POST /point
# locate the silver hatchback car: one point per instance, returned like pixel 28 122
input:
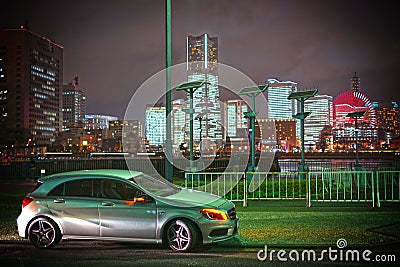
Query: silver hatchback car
pixel 122 205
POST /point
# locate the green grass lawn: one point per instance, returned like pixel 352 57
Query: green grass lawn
pixel 285 226
pixel 280 223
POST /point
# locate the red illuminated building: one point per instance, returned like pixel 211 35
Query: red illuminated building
pixel 352 101
pixel 344 127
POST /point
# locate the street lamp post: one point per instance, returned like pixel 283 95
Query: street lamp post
pixel 302 96
pixel 251 115
pixel 168 94
pixel 190 88
pixel 199 117
pixel 252 91
pixel 356 115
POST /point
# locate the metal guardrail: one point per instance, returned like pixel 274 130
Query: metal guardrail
pixel 276 186
pixel 342 186
pixel 231 185
pixel 387 186
pixel 324 186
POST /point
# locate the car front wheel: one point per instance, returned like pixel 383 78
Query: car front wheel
pixel 181 235
pixel 43 233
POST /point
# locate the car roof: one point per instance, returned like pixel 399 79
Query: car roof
pixel 115 173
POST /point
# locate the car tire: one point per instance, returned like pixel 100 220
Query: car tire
pixel 181 235
pixel 43 233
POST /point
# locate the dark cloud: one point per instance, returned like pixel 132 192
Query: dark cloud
pixel 116 45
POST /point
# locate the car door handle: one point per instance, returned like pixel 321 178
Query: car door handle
pixel 107 204
pixel 59 200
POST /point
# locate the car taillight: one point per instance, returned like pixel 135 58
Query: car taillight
pixel 26 201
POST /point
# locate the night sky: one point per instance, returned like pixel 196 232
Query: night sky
pixel 116 45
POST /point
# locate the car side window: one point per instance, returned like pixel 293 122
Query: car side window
pixel 57 191
pixel 76 188
pixel 119 190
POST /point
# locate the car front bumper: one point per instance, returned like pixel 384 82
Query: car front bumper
pixel 217 231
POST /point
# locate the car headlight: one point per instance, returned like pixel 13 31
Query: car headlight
pixel 214 214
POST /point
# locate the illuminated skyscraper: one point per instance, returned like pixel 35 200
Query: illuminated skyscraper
pixel 389 117
pixel 73 105
pixel 155 125
pixel 320 107
pixel 234 116
pixel 202 64
pixel 178 123
pixel 31 78
pixel 279 106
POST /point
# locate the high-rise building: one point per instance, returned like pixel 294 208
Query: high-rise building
pixel 115 128
pixel 279 107
pixel 178 124
pixel 388 117
pixel 234 116
pixel 388 121
pixel 202 64
pixel 320 107
pixel 31 78
pixel 132 136
pixel 73 105
pixel 155 129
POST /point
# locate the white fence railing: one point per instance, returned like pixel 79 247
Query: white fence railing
pixel 387 186
pixel 325 186
pixel 231 185
pixel 342 186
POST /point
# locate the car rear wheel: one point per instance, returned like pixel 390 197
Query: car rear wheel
pixel 181 235
pixel 43 233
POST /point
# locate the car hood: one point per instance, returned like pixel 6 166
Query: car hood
pixel 190 197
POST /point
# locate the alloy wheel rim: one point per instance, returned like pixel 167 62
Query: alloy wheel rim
pixel 179 236
pixel 42 233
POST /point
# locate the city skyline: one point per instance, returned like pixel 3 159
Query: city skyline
pixel 315 44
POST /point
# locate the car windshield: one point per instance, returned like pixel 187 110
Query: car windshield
pixel 158 187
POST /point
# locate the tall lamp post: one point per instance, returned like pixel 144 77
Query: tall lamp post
pixel 199 117
pixel 252 91
pixel 190 88
pixel 356 115
pixel 168 94
pixel 302 96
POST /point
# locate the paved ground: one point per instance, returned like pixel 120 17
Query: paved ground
pixel 123 254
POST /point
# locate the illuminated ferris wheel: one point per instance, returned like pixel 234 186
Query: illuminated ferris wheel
pixel 352 101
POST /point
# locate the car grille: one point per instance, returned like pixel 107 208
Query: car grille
pixel 232 213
